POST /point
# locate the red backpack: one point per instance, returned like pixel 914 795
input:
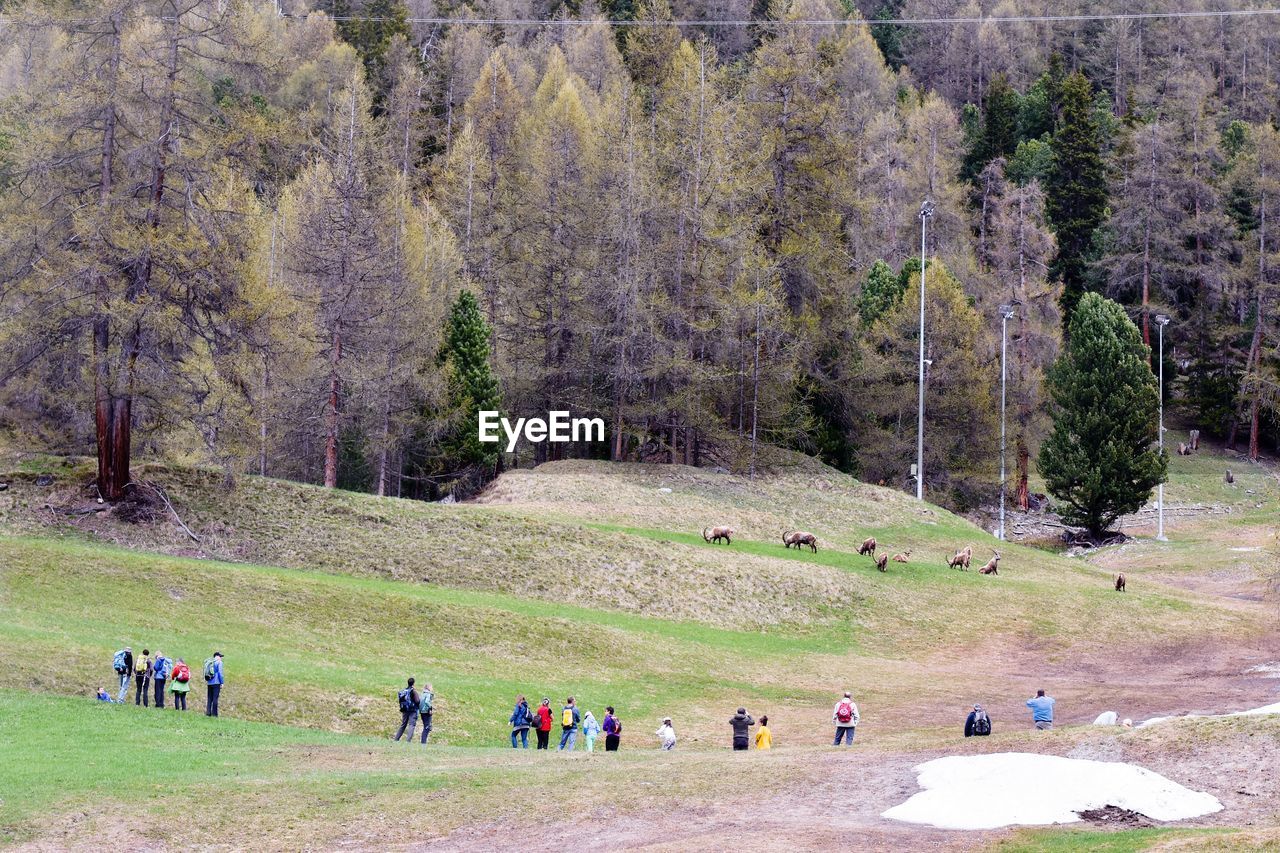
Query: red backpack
pixel 181 673
pixel 844 712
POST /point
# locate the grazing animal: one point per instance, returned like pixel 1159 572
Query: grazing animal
pixel 800 539
pixel 868 548
pixel 718 533
pixel 992 567
pixel 1229 477
pixel 1183 450
pixel 882 561
pixel 961 558
pixel 1194 437
pixel 901 558
pixel 1120 582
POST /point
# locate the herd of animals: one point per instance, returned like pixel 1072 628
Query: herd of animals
pixel 798 539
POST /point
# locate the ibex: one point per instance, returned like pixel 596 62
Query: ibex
pixel 882 561
pixel 718 533
pixel 1229 478
pixel 1194 438
pixel 868 548
pixel 799 539
pixel 901 558
pixel 993 565
pixel 1120 582
pixel 961 558
pixel 1183 449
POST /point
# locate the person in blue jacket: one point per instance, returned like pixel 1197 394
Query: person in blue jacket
pixel 521 721
pixel 160 669
pixel 1041 711
pixel 214 685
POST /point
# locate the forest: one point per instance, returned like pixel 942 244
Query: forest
pixel 310 241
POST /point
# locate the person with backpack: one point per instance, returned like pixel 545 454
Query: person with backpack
pixel 159 673
pixel 141 677
pixel 409 700
pixel 612 729
pixel 570 719
pixel 544 723
pixel 521 720
pixel 180 684
pixel 426 704
pixel 846 717
pixel 213 680
pixel 590 731
pixel 742 723
pixel 978 723
pixel 666 734
pixel 764 738
pixel 1042 711
pixel 122 663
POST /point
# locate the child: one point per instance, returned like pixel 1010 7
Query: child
pixel 667 734
pixel 590 729
pixel 764 740
pixel 103 695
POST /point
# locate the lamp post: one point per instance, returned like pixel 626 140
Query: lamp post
pixel 1006 314
pixel 1161 322
pixel 926 211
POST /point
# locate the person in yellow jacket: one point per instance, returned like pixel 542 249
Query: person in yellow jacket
pixel 764 739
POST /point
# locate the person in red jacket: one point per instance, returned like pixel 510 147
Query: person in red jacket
pixel 544 723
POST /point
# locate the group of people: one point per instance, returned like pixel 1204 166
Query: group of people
pixel 978 723
pixel 573 720
pixel 154 675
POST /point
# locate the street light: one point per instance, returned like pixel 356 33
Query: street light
pixel 926 211
pixel 1006 314
pixel 1161 322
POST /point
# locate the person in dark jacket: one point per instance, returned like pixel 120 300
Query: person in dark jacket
pixel 123 673
pixel 141 677
pixel 742 723
pixel 521 721
pixel 612 729
pixel 978 724
pixel 544 723
pixel 410 700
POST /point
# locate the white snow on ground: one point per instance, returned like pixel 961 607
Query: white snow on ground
pixel 1254 712
pixel 1020 788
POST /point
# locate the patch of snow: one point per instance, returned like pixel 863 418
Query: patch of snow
pixel 1268 670
pixel 1025 789
pixel 664 490
pixel 1257 712
pixel 1107 718
pixel 1253 548
pixel 1253 712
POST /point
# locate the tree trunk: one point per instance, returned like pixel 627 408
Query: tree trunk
pixel 332 415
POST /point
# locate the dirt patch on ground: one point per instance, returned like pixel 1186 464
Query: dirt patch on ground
pixel 1115 817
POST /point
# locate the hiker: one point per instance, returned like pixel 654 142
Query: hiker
pixel 666 734
pixel 122 663
pixel 764 738
pixel 569 722
pixel 742 723
pixel 426 704
pixel 846 718
pixel 159 672
pixel 103 695
pixel 590 731
pixel 409 700
pixel 977 724
pixel 1041 711
pixel 522 720
pixel 141 675
pixel 544 723
pixel 180 684
pixel 213 680
pixel 612 730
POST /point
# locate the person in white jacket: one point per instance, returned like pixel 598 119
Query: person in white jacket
pixel 845 716
pixel 666 734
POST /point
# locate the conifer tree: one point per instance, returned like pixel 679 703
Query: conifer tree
pixel 1099 461
pixel 472 386
pixel 1077 188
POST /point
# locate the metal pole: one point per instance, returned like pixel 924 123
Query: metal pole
pixel 926 210
pixel 1004 327
pixel 1161 321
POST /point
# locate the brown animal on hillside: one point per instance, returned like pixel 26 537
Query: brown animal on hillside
pixel 1229 478
pixel 800 539
pixel 1194 438
pixel 882 561
pixel 718 533
pixel 992 567
pixel 961 558
pixel 868 548
pixel 901 558
pixel 1183 450
pixel 1120 582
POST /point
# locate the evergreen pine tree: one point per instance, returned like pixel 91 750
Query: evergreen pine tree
pixel 998 136
pixel 881 291
pixel 472 386
pixel 1076 188
pixel 1099 461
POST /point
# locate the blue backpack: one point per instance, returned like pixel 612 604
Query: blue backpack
pixel 406 700
pixel 118 663
pixel 160 669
